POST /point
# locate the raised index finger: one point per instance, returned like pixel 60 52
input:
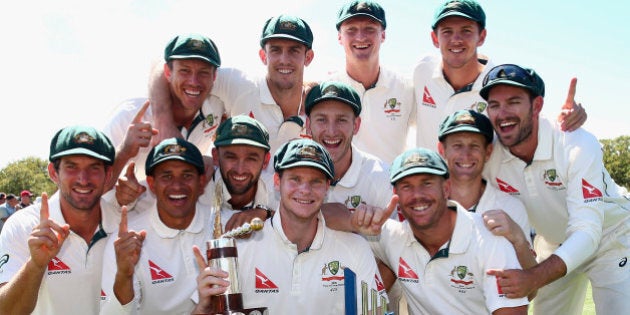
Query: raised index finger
pixel 43 211
pixel 141 112
pixel 571 95
pixel 122 227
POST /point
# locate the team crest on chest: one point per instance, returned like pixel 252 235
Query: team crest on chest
pixel 210 124
pixel 391 108
pixel 352 202
pixel 552 180
pixel 332 275
pixel 479 107
pixel 462 279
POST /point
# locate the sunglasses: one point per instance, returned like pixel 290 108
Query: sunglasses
pixel 511 72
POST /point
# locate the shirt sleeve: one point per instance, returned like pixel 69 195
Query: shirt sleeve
pixel 585 202
pixel 14 244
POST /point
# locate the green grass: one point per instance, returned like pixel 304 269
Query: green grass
pixel 589 306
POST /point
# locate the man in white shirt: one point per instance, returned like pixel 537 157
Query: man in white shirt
pixel 51 254
pixel 581 218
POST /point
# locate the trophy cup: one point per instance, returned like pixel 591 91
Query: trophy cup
pixel 222 254
pixel 367 300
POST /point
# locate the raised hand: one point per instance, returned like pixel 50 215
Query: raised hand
pixel 368 220
pixel 210 281
pixel 572 115
pixel 128 247
pixel 128 189
pixel 499 223
pixel 139 133
pixel 47 237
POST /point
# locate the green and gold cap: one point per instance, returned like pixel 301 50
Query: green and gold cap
pixel 304 152
pixel 242 129
pixel 82 140
pixel 369 9
pixel 466 120
pixel 174 149
pixel 469 9
pixel 289 27
pixel 332 90
pixel 417 161
pixel 192 46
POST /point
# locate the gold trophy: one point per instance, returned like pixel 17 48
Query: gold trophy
pixel 222 254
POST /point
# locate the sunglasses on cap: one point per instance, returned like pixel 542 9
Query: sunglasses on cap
pixel 513 75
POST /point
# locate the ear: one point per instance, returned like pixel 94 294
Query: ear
pixel 357 125
pixel 482 37
pixel 309 57
pixel 383 36
pixel 151 183
pixel 537 105
pixel 489 149
pixel 434 39
pixel 215 156
pixel 266 160
pixel 263 56
pixel 446 188
pixel 276 181
pixel 53 173
pixel 441 148
pixel 307 125
pixel 167 72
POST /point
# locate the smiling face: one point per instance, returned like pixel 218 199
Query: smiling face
pixel 81 180
pixel 422 199
pixel 285 60
pixel 466 154
pixel 333 124
pixel 458 39
pixel 240 166
pixel 190 81
pixel 302 192
pixel 514 114
pixel 177 186
pixel 361 38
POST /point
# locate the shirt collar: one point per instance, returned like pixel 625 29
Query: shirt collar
pixel 276 222
pixel 163 231
pixel 353 173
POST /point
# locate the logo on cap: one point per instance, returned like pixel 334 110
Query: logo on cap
pixel 465 118
pixel 288 25
pixel 84 137
pixel 330 90
pixel 309 152
pixel 239 130
pixel 195 44
pixel 415 159
pixel 362 6
pixel 174 149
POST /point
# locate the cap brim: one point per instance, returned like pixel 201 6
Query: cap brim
pixel 81 151
pixel 486 89
pixel 349 16
pixel 199 57
pixel 461 128
pixel 286 36
pixel 241 141
pixel 452 13
pixel 309 164
pixel 417 170
pixel 355 107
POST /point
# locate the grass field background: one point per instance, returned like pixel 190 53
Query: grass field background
pixel 589 306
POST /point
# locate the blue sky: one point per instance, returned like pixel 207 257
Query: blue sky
pixel 71 62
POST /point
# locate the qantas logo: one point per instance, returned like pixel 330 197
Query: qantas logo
pixel 427 99
pixel 158 275
pixel 379 284
pixel 56 266
pixel 251 114
pixel 499 290
pixel 589 192
pixel 505 187
pixel 405 273
pixel 263 284
pixel 103 295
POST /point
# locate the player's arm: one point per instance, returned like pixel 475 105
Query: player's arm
pixel 128 247
pixel 161 103
pixel 501 224
pixel 572 115
pixel 519 310
pixel 516 283
pixel 365 219
pixel 210 281
pixel 44 244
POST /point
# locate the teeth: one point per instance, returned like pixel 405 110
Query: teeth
pixel 82 191
pixel 361 46
pixel 507 124
pixel 177 196
pixel 285 71
pixel 239 178
pixel 420 208
pixel 331 142
pixel 304 202
pixel 457 50
pixel 464 165
pixel 192 92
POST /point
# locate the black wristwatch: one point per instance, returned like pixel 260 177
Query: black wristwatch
pixel 269 210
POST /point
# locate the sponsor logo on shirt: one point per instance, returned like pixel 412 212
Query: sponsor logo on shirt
pixel 158 275
pixel 462 279
pixel 263 284
pixel 552 180
pixel 56 267
pixel 332 275
pixel 391 108
pixel 505 187
pixel 623 262
pixel 427 99
pixel 499 289
pixel 352 202
pixel 405 273
pixel 380 287
pixel 590 193
pixel 103 295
